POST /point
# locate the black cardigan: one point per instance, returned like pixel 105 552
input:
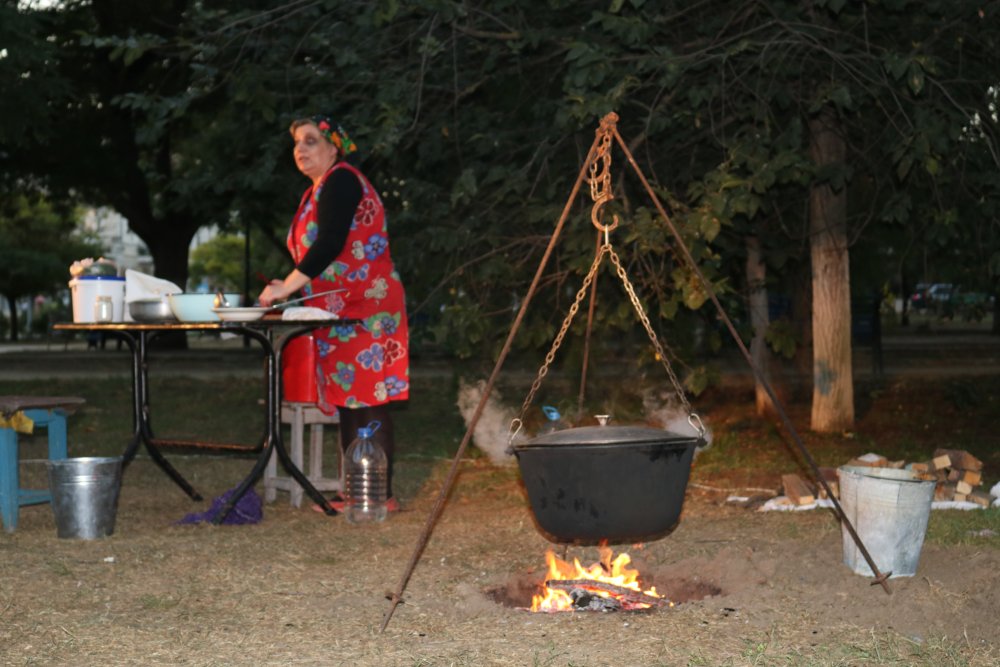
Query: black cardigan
pixel 338 200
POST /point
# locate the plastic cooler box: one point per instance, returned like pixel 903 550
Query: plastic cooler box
pixel 298 370
pixel 86 289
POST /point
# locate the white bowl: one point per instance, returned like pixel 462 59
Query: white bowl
pixel 197 307
pixel 248 314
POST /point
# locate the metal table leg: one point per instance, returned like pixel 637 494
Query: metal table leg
pixel 140 415
pixel 274 442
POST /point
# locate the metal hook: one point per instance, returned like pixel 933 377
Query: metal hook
pixel 695 421
pixel 512 433
pixel 595 214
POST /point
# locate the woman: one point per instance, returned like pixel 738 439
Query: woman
pixel 338 240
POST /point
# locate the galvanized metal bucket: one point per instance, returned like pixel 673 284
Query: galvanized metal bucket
pixel 889 510
pixel 85 495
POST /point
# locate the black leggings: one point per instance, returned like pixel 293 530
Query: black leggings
pixel 351 419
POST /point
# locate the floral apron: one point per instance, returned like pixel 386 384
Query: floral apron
pixel 365 364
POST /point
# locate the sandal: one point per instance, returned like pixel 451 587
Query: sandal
pixel 338 504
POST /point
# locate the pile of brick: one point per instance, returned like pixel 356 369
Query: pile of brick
pixel 957 473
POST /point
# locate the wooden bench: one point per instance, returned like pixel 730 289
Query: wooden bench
pixel 23 414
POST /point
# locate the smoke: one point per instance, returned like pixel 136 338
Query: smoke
pixel 493 427
pixel 663 411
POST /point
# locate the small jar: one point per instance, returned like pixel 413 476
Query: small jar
pixel 104 309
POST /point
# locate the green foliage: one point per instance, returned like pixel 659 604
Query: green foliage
pixel 37 244
pixel 474 118
pixel 219 261
pixel 782 337
pixel 28 70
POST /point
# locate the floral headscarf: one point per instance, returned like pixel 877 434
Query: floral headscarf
pixel 335 134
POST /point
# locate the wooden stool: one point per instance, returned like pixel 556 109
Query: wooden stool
pixel 46 411
pixel 298 415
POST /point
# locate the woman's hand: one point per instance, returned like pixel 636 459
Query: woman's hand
pixel 279 290
pixel 275 291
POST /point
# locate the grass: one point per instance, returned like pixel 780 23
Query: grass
pixel 972 528
pixel 904 419
pixel 224 410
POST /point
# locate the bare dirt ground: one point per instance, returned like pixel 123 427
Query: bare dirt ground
pixel 304 589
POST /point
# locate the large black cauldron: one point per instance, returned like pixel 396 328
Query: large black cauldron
pixel 617 484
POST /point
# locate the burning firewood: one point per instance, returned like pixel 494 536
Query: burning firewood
pixel 628 598
pixel 573 587
pixel 587 601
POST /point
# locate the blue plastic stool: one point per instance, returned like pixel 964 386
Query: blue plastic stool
pixel 47 412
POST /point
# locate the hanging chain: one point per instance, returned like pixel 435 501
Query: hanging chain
pixel 600 177
pixel 600 192
pixel 550 357
pixel 693 418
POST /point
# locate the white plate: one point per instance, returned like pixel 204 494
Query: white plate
pixel 240 314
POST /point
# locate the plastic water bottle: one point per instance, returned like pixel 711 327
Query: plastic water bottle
pixel 366 473
pixel 554 420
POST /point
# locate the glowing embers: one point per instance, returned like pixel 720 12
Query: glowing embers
pixel 608 585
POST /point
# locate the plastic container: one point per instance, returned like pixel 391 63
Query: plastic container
pixel 889 510
pixel 553 420
pixel 298 370
pixel 85 495
pixel 366 476
pixel 104 309
pixel 85 291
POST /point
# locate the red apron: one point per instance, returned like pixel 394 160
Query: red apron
pixel 368 363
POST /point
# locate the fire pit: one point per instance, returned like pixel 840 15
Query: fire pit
pixel 608 585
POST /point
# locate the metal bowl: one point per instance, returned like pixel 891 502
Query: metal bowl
pixel 151 310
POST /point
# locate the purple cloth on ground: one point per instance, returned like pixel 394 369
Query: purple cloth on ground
pixel 247 510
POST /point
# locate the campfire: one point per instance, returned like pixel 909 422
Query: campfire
pixel 608 585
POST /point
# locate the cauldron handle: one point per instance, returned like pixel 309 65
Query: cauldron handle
pixel 695 421
pixel 516 421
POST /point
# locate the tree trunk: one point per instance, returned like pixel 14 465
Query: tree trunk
pixel 170 254
pixel 996 309
pixel 904 287
pixel 12 308
pixel 759 322
pixel 833 382
pixel 170 259
pixel 995 330
pixel 802 309
pixel 168 242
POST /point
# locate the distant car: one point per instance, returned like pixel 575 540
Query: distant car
pixel 918 299
pixel 940 293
